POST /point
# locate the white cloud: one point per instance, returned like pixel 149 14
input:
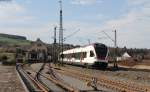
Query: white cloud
pixel 32 32
pixel 11 7
pixel 28 1
pixel 85 2
pixel 12 11
pixel 86 31
pixel 133 26
pixel 137 2
pixel 14 19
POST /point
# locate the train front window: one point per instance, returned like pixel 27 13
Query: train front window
pixel 101 51
pixel 91 54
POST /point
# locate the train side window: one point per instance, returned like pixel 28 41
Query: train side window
pixel 78 55
pixel 70 56
pixel 91 54
pixel 84 54
pixel 62 55
pixel 73 55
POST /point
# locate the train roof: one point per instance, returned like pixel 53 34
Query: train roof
pixel 91 45
pixel 79 48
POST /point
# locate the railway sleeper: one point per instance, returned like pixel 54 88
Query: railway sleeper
pixel 59 83
pixel 38 88
pixel 133 88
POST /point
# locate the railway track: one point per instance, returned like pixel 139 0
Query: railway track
pixel 37 83
pixel 39 79
pixel 102 81
pixel 41 82
pixel 32 84
pixel 51 76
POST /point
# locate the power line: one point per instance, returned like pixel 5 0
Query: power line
pixel 108 36
pixel 70 35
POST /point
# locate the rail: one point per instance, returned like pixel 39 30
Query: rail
pixel 34 82
pixel 29 80
pixel 55 79
pixel 101 80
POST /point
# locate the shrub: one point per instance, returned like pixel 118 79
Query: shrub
pixel 4 57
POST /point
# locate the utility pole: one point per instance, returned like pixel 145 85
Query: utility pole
pixel 61 32
pixel 55 35
pixel 54 46
pixel 115 45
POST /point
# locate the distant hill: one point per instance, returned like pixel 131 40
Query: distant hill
pixel 7 39
pixel 13 36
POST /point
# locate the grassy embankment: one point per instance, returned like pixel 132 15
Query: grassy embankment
pixel 11 42
pixel 7 58
pixel 7 51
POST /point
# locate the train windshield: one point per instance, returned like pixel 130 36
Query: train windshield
pixel 101 51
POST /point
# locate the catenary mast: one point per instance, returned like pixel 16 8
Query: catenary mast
pixel 61 30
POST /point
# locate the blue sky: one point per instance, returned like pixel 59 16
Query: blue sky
pixel 37 18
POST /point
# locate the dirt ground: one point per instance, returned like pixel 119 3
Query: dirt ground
pixel 145 62
pixel 132 63
pixel 9 81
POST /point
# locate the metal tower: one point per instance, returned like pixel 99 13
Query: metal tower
pixel 61 30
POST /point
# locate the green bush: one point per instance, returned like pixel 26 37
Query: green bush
pixel 4 57
pixel 7 58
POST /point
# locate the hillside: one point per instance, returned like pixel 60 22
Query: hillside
pixel 6 39
pixel 13 36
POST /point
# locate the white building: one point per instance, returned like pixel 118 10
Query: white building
pixel 125 56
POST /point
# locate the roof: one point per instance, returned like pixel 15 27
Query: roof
pixel 126 55
pixel 38 45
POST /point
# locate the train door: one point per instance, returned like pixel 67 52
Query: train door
pixel 83 58
pixel 91 57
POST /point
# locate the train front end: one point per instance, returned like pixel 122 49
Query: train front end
pixel 101 51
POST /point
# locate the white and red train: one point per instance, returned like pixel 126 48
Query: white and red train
pixel 93 55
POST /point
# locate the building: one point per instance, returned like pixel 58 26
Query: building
pixel 125 56
pixel 38 52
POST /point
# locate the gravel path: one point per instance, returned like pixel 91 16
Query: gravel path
pixel 9 81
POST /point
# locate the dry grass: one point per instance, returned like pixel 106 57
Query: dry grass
pixel 144 62
pixel 132 62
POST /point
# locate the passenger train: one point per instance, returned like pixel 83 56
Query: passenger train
pixel 94 55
